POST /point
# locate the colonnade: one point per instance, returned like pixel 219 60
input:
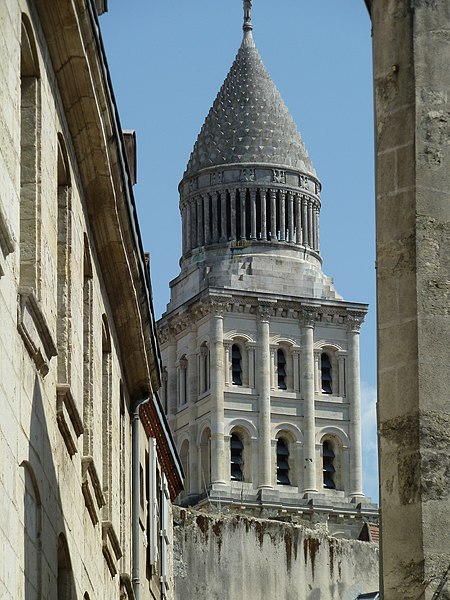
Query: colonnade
pixel 250 213
pixel 262 366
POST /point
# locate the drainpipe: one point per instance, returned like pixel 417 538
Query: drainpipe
pixel 136 576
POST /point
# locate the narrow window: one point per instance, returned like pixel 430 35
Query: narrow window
pixel 281 364
pixel 326 374
pixel 88 353
pixel 328 466
pixel 282 463
pixel 236 365
pixel 107 420
pixel 237 462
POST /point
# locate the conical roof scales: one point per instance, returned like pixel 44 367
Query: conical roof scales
pixel 249 121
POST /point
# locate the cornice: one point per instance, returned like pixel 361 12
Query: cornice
pixel 309 313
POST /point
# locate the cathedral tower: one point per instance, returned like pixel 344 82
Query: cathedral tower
pixel 261 354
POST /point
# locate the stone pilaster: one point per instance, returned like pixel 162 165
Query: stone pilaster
pixel 282 195
pixel 308 317
pixel 264 368
pixel 354 321
pixel 253 214
pixel 273 215
pixel 218 458
pixel 263 211
pixel 233 213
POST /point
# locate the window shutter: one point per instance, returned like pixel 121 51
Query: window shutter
pixel 153 507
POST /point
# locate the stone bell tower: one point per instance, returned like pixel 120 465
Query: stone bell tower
pixel 261 354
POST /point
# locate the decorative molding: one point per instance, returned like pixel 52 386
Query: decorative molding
pixel 91 487
pixel 33 328
pixel 355 319
pixel 216 177
pixel 69 420
pixel 247 175
pixel 220 304
pixel 193 184
pixel 278 176
pixel 309 314
pixel 110 547
pixel 265 309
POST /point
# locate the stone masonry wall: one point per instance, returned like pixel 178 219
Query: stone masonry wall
pixel 234 556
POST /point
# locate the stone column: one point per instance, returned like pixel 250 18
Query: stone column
pixel 317 372
pixel 273 215
pixel 341 359
pixel 264 368
pixel 251 364
pixel 291 226
pixel 354 321
pixel 193 209
pixel 223 217
pixel 295 353
pixel 242 199
pixel 317 209
pixel 305 221
pixel 233 214
pixel 183 230
pixel 215 217
pixel 200 226
pixel 253 213
pixel 263 211
pixel 206 220
pixel 188 229
pixel 227 362
pixel 310 224
pixel 282 215
pixel 171 358
pixel 218 458
pixel 272 370
pixel 309 314
pixel 298 220
pixel 202 370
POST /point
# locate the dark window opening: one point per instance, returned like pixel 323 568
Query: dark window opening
pixel 281 369
pixel 326 374
pixel 236 365
pixel 282 463
pixel 328 466
pixel 237 462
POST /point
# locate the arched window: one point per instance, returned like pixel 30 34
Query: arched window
pixel 204 368
pixel 182 381
pixel 282 463
pixel 236 365
pixel 328 457
pixel 326 374
pixel 65 578
pixel 237 460
pixel 281 369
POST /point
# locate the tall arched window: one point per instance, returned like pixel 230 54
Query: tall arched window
pixel 329 471
pixel 65 577
pixel 281 369
pixel 327 381
pixel 282 462
pixel 237 458
pixel 236 365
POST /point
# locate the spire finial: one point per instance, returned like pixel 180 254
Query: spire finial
pixel 248 15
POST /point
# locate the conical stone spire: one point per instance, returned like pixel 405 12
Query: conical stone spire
pixel 249 122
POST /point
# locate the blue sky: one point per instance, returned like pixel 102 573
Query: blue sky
pixel 168 59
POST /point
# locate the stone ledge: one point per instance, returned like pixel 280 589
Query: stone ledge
pixel 69 420
pixel 91 487
pixel 110 547
pixel 6 237
pixel 33 328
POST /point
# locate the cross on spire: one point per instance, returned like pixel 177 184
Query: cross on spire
pixel 248 15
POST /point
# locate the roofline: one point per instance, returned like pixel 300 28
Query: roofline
pixel 369 6
pixel 127 181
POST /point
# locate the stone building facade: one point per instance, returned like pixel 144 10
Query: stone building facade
pixel 261 378
pixel 88 468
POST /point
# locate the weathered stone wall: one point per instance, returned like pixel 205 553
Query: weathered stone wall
pixel 412 102
pixel 234 556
